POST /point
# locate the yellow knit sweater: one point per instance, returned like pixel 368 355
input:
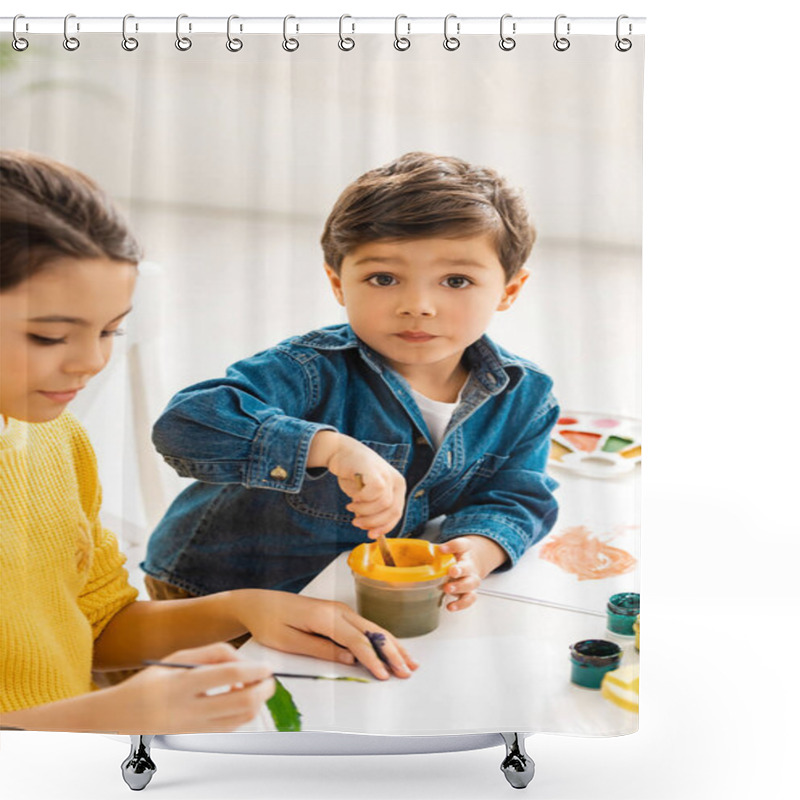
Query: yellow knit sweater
pixel 62 578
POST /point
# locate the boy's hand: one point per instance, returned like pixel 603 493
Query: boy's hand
pixel 319 628
pixel 377 489
pixel 476 557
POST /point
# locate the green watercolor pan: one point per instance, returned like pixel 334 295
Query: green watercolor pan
pixel 596 445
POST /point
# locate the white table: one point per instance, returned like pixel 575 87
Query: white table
pixel 501 665
pixel 608 509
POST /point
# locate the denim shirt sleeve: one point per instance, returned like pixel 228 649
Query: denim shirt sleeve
pixel 515 507
pixel 245 428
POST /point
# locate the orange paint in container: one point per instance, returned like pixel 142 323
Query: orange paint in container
pixel 404 599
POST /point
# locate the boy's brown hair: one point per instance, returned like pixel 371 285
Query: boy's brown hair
pixel 50 211
pixel 420 195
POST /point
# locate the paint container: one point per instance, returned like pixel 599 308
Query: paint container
pixel 636 631
pixel 623 608
pixel 405 599
pixel 591 659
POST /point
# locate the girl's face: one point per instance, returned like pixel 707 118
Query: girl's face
pixel 56 332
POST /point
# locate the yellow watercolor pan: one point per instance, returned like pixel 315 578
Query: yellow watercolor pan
pixel 596 445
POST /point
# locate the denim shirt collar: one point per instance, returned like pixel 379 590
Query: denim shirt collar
pixel 492 369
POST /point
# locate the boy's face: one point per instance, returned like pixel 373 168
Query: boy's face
pixel 56 330
pixel 421 302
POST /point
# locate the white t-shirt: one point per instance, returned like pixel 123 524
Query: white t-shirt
pixel 436 415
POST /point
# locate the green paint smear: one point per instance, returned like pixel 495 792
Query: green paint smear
pixel 283 710
pixel 615 443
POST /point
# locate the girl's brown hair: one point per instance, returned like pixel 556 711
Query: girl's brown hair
pixel 49 211
pixel 420 196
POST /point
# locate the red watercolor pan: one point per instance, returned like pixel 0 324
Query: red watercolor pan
pixel 596 445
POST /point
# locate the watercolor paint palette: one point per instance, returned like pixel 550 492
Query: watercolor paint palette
pixel 596 445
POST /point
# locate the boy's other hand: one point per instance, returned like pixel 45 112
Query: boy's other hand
pixel 377 490
pixel 476 557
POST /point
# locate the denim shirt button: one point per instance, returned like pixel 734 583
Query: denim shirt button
pixel 279 473
pixel 419 494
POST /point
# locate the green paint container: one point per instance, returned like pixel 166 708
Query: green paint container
pixel 623 609
pixel 406 598
pixel 591 659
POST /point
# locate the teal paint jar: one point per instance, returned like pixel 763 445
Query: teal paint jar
pixel 591 659
pixel 622 610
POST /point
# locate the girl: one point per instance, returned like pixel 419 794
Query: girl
pixel 67 273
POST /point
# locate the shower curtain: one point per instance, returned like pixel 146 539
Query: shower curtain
pixel 227 155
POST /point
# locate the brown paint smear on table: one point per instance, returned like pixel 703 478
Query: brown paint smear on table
pixel 579 551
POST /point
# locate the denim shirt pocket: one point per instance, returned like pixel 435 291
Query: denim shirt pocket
pixel 320 495
pixel 479 470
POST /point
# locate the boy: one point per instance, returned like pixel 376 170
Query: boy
pixel 407 414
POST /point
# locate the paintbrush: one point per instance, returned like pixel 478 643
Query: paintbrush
pixel 383 545
pixel 154 663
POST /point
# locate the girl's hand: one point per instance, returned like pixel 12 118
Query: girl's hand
pixel 476 557
pixel 376 488
pixel 322 629
pixel 162 700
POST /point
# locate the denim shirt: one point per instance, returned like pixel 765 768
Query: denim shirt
pixel 259 517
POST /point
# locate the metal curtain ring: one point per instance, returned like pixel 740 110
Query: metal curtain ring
pixel 183 43
pixel 70 43
pixel 507 42
pixel 451 42
pixel 345 42
pixel 129 43
pixel 623 45
pixel 401 42
pixel 233 44
pixel 17 42
pixel 561 43
pixel 289 45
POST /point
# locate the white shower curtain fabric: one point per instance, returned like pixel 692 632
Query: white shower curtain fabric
pixel 227 166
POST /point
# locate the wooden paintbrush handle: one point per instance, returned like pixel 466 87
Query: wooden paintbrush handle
pixel 383 545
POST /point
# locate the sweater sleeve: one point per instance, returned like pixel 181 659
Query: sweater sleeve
pixel 107 589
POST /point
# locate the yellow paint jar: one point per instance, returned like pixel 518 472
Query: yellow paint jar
pixel 404 599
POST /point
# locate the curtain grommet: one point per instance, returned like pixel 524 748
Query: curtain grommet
pixel 623 44
pixel 507 43
pixel 233 44
pixel 289 44
pixel 129 43
pixel 451 43
pixel 346 43
pixel 183 43
pixel 71 43
pixel 561 43
pixel 18 42
pixel 401 43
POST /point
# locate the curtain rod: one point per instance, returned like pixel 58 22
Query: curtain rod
pixel 347 25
